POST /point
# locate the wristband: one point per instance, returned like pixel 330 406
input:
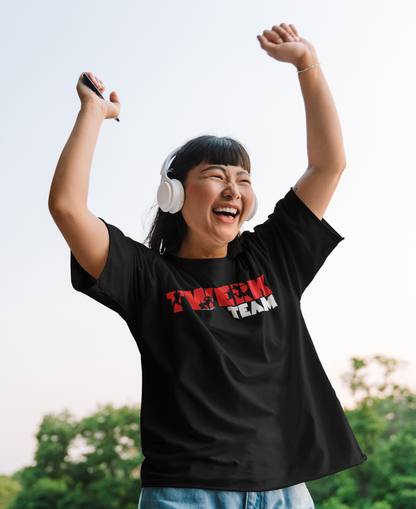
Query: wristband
pixel 307 69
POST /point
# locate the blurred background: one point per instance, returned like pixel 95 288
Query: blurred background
pixel 182 69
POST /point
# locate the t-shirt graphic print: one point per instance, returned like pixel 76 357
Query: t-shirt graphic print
pixel 240 299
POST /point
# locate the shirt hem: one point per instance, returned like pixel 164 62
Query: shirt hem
pixel 270 488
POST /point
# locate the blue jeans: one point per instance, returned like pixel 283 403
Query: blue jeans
pixel 294 497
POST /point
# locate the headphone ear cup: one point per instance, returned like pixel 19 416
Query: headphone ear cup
pixel 253 210
pixel 170 195
pixel 178 196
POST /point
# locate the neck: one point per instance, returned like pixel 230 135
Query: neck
pixel 193 250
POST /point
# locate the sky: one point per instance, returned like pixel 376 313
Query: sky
pixel 182 69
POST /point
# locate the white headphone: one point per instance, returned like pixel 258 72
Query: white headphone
pixel 171 194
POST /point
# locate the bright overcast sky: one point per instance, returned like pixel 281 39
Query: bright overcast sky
pixel 182 69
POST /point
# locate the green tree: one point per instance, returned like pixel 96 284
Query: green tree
pixel 384 422
pixel 9 488
pixel 95 463
pixel 90 464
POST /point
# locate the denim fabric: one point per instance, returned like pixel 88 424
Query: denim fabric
pixel 294 497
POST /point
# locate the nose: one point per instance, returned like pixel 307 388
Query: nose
pixel 231 191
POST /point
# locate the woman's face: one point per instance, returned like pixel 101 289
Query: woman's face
pixel 218 199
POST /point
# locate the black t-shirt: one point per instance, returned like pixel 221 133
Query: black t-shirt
pixel 234 395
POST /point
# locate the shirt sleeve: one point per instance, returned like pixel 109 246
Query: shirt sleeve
pixel 125 280
pixel 298 242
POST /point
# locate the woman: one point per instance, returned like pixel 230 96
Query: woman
pixel 236 408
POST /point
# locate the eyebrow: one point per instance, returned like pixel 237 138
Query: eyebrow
pixel 242 172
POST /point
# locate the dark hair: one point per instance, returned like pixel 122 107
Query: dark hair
pixel 169 230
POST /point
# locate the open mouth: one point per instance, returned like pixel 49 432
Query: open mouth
pixel 226 211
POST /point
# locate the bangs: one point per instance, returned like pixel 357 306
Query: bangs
pixel 211 150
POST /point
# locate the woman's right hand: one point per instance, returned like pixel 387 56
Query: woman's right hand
pixel 110 108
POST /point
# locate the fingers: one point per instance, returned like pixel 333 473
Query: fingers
pixel 294 30
pixel 286 32
pixel 272 36
pixel 266 44
pixel 98 83
pixel 280 34
pixel 114 98
pixel 283 43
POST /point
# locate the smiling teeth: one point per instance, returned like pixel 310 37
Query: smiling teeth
pixel 226 209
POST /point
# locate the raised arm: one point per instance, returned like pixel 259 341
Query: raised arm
pixel 326 156
pixel 86 235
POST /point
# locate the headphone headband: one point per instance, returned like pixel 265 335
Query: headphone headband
pixel 168 160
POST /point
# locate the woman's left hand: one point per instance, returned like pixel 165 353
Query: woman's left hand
pixel 284 44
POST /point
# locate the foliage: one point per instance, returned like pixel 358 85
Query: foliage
pixel 384 422
pixel 9 488
pixel 90 464
pixel 95 463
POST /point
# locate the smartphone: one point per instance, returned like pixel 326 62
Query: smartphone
pixel 90 84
